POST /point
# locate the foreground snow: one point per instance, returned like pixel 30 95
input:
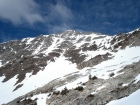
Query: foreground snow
pixel 41 99
pixel 133 99
pixel 6 90
pixel 54 70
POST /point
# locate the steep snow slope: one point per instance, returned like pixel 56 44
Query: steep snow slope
pixel 47 62
pixel 55 70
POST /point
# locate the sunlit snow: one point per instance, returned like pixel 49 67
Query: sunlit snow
pixel 100 88
pixel 29 40
pixel 41 99
pixel 120 60
pixel 6 90
pixel 54 70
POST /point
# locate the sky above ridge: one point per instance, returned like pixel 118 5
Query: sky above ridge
pixel 30 18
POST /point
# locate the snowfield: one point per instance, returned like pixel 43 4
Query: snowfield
pixel 119 61
pixel 54 70
pixel 41 99
pixel 6 90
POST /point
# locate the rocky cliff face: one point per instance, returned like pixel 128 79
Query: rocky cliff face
pixel 70 68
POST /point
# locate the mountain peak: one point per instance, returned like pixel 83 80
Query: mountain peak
pixel 84 67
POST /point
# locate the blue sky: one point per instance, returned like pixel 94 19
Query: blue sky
pixel 30 18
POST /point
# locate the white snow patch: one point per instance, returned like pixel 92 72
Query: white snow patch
pixel 132 99
pixel 122 56
pixel 93 92
pixel 4 47
pixel 126 84
pixel 41 99
pixel 137 78
pixel 29 40
pixel 51 47
pixel 6 90
pixel 38 49
pixel 120 60
pixel 36 57
pixel 100 88
pixel 93 35
pixel 15 52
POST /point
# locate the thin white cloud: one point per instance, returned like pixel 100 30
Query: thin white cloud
pixel 59 28
pixel 63 11
pixel 20 11
pixel 59 17
pixel 59 12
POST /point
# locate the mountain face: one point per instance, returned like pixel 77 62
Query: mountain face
pixel 70 68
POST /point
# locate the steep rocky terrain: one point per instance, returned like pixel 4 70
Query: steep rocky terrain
pixel 70 68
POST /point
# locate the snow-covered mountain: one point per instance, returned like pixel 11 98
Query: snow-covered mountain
pixel 71 68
